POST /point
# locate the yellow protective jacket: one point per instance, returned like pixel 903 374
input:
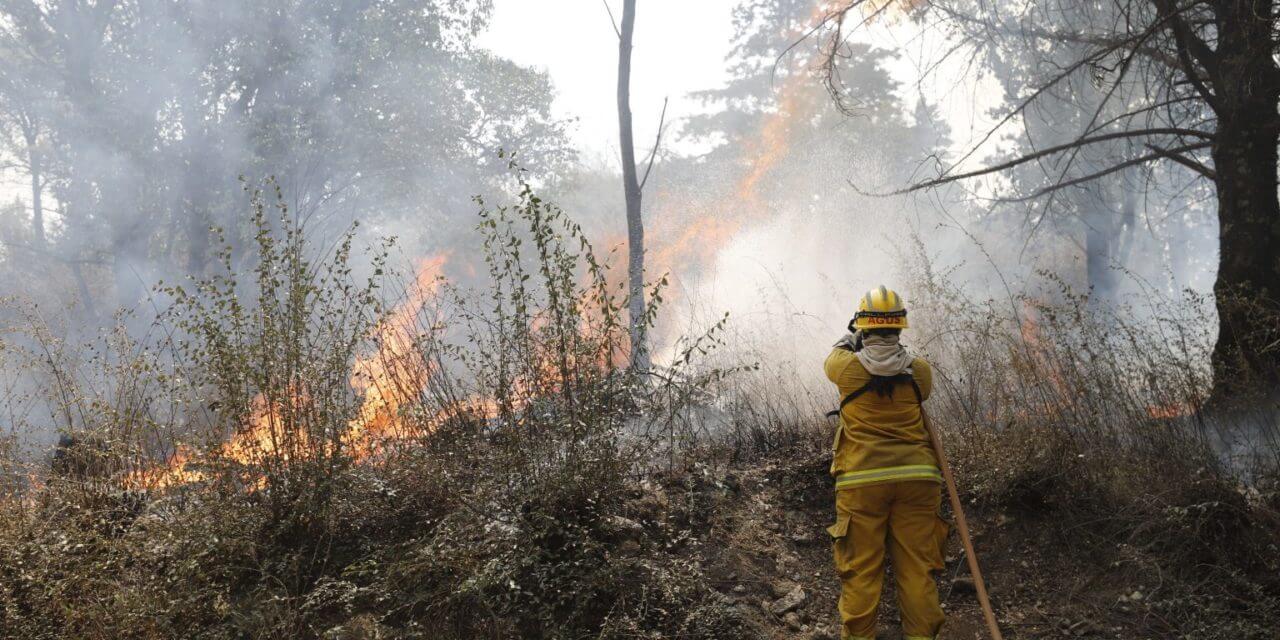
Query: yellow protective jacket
pixel 880 439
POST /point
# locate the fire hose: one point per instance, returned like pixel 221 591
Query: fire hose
pixel 963 526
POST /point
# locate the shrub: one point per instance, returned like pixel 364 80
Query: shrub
pixel 454 463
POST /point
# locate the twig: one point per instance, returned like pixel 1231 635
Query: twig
pixel 653 153
pixel 612 20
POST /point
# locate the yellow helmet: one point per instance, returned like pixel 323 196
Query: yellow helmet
pixel 880 308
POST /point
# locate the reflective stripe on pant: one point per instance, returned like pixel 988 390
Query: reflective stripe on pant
pixel 903 515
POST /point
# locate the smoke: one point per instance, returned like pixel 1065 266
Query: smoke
pixel 805 240
pixel 146 114
pixel 147 126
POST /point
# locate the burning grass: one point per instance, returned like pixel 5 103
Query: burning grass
pixel 474 464
pixel 457 464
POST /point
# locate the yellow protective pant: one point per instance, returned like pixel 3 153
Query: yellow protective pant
pixel 903 515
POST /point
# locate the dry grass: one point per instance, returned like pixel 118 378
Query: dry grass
pixel 508 489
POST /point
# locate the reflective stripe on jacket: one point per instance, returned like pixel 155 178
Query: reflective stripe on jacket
pixel 880 439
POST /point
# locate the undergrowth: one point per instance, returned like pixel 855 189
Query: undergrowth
pixel 296 451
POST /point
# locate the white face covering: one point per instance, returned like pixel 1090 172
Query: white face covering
pixel 881 355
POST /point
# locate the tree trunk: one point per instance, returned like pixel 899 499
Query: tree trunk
pixel 1247 289
pixel 1094 208
pixel 631 190
pixel 1108 235
pixel 86 296
pixel 37 192
pixel 1248 284
pixel 1098 265
pixel 128 259
pixel 198 197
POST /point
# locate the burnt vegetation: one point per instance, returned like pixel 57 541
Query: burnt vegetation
pixel 356 402
pixel 527 483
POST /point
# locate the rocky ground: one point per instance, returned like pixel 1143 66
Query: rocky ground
pixel 765 550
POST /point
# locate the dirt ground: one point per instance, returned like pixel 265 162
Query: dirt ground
pixel 768 539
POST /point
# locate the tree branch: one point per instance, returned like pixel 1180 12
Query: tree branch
pixel 612 20
pixel 653 153
pixel 1048 151
pixel 1185 161
pixel 1075 37
pixel 1106 172
pixel 1188 44
pixel 1039 91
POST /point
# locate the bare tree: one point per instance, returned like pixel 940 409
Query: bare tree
pixel 1197 85
pixel 633 188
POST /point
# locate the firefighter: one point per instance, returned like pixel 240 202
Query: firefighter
pixel 888 483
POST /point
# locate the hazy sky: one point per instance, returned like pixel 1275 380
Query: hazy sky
pixel 680 47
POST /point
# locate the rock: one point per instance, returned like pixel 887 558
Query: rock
pixel 781 588
pixel 801 537
pixel 792 621
pixel 739 588
pixel 788 603
pixel 821 632
pixel 625 526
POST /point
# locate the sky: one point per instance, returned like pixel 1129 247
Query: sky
pixel 680 47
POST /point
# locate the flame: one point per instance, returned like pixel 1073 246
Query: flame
pixel 699 241
pixel 690 244
pixel 393 378
pixel 172 473
pixel 394 375
pixel 1034 340
pixel 265 434
pixel 1172 410
pixel 388 380
pixel 1029 324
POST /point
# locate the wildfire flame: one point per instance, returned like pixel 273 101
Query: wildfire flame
pixel 396 374
pixel 1036 345
pixel 704 237
pixel 387 379
pixel 1172 410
